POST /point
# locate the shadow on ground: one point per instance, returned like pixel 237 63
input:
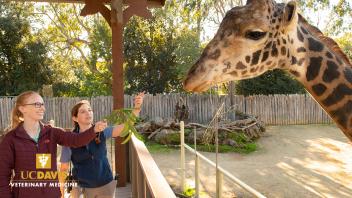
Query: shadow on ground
pixel 292 161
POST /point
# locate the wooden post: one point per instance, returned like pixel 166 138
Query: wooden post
pixel 118 92
pixel 183 160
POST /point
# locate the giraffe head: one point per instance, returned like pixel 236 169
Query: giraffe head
pixel 251 40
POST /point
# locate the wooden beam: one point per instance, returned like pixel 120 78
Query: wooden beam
pixel 136 7
pixel 93 7
pixel 151 3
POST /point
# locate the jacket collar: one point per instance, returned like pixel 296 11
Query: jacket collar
pixel 21 132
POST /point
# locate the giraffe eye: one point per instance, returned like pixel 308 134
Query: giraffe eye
pixel 255 35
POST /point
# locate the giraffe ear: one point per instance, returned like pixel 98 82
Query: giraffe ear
pixel 290 12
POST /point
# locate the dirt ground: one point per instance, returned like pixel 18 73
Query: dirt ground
pixel 291 161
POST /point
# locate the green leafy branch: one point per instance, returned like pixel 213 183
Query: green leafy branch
pixel 124 116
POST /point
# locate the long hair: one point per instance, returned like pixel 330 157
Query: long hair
pixel 16 115
pixel 74 112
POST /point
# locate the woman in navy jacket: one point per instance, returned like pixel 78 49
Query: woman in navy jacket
pixel 91 167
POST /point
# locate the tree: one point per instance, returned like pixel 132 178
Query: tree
pixel 273 82
pixel 23 58
pixel 345 43
pixel 159 51
pixel 150 62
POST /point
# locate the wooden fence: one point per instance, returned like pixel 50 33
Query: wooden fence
pixel 273 109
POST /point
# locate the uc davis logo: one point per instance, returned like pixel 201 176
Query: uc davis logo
pixel 43 161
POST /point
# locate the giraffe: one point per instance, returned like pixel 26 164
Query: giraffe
pixel 265 35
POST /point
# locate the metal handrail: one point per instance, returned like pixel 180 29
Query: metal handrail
pixel 220 171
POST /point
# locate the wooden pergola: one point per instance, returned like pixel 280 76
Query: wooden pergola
pixel 117 17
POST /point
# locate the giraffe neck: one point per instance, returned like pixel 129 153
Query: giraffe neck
pixel 325 74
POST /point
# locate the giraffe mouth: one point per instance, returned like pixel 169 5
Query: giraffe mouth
pixel 200 87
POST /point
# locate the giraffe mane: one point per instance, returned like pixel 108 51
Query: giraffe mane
pixel 329 42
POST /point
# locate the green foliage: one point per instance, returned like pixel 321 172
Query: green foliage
pixel 246 149
pixel 126 117
pixel 150 61
pixel 159 148
pixel 345 43
pixel 23 58
pixel 331 17
pixel 189 191
pixel 272 82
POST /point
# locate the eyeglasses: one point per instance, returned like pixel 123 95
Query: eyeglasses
pixel 36 104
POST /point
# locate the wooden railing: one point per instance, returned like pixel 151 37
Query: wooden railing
pixel 146 178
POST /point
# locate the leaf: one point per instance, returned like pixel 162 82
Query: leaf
pixel 127 139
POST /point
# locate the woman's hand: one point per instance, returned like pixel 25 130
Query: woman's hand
pixel 138 101
pixel 100 126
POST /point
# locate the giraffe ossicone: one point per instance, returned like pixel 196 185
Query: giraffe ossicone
pixel 265 35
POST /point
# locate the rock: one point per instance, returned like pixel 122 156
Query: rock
pixel 168 123
pixel 157 121
pixel 199 135
pixel 167 136
pixel 143 127
pixel 230 142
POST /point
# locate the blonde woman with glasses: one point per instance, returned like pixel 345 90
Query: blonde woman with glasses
pixel 27 143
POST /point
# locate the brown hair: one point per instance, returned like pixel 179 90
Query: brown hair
pixel 16 115
pixel 74 110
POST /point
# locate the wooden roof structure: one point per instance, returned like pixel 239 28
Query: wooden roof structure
pixel 117 15
pixel 151 3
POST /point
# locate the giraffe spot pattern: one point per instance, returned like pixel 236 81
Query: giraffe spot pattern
pixel 341 114
pixel 338 60
pixel 283 51
pixel 215 55
pixel 319 89
pixel 261 68
pixel 301 49
pixel 265 56
pixel 202 69
pixel 244 72
pixel 315 45
pixel 274 51
pixel 329 55
pixel 248 58
pixel 228 64
pixel 226 43
pixel 254 70
pixel 293 60
pixel 284 40
pixel 338 94
pixel 278 41
pixel 313 68
pixel 240 65
pixel 255 56
pixel 299 35
pixel 295 73
pixel 234 73
pixel 331 73
pixel 348 74
pixel 267 46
